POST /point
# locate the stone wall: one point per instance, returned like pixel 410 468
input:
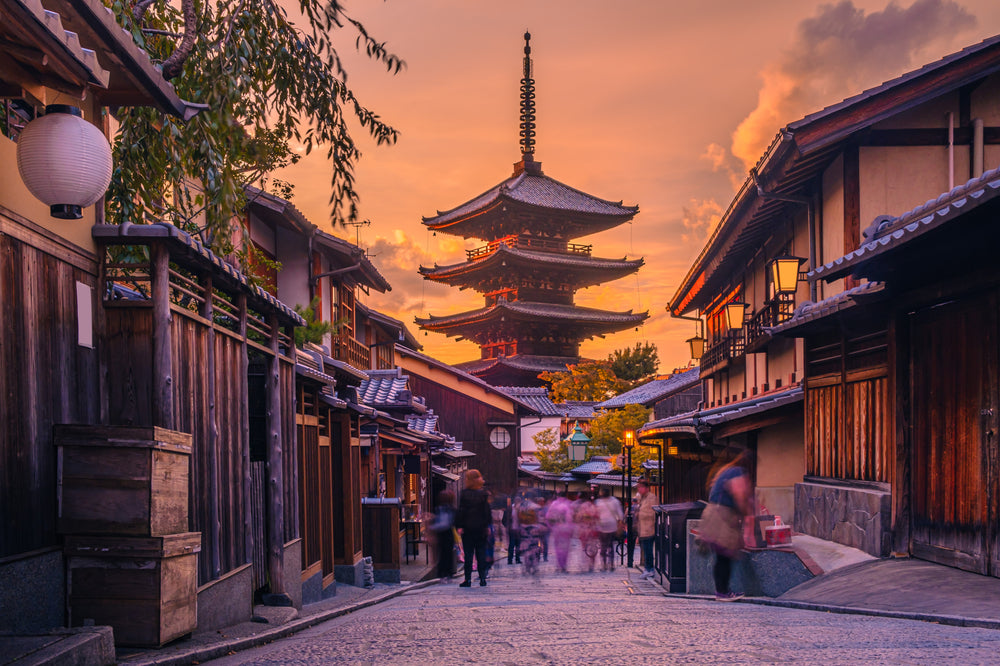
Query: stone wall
pixel 856 517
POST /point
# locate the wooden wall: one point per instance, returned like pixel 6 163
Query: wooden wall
pixel 848 428
pixel 467 420
pixel 45 378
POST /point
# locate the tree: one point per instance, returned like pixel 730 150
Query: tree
pixel 636 365
pixel 263 82
pixel 589 380
pixel 607 432
pixel 553 453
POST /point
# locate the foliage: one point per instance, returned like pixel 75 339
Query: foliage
pixel 265 83
pixel 636 365
pixel 315 329
pixel 590 380
pixel 553 453
pixel 607 432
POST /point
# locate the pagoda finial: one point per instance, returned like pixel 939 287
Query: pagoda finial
pixel 527 105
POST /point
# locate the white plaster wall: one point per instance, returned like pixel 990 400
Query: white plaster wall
pixel 831 224
pixel 896 180
pixel 528 432
pixel 293 278
pixel 780 465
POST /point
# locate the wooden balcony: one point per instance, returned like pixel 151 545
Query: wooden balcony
pixel 354 353
pixel 731 345
pixel 773 313
pixel 529 243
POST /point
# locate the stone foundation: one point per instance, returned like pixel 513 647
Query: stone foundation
pixel 857 517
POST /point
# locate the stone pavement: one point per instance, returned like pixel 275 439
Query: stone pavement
pixel 608 618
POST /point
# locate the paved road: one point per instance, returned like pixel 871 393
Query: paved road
pixel 610 618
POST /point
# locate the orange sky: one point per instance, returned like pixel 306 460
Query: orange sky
pixel 660 104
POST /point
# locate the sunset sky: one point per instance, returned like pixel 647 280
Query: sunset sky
pixel 656 103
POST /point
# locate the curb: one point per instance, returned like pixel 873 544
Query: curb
pixel 227 647
pixel 952 620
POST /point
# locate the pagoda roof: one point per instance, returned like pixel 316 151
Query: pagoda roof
pixel 520 363
pixel 587 321
pixel 530 193
pixel 579 269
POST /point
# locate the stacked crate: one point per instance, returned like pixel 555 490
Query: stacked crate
pixel 123 508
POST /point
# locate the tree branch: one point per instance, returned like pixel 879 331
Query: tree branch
pixel 140 9
pixel 173 65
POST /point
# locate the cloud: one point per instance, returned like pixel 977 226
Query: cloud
pixel 839 52
pixel 700 218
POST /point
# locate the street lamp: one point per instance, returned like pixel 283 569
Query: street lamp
pixel 734 315
pixel 577 444
pixel 627 445
pixel 697 343
pixel 785 273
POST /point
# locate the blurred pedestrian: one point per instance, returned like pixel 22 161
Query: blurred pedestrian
pixel 609 519
pixel 442 526
pixel 560 519
pixel 512 526
pixel 647 527
pixel 586 525
pixel 474 521
pixel 727 517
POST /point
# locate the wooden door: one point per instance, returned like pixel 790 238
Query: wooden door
pixel 953 359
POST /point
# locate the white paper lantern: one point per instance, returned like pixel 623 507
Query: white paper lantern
pixel 64 161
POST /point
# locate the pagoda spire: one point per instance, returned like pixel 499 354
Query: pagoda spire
pixel 527 132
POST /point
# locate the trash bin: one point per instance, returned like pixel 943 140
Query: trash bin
pixel 672 541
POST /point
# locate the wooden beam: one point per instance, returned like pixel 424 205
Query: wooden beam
pixel 163 383
pixel 275 471
pixel 215 524
pixel 241 307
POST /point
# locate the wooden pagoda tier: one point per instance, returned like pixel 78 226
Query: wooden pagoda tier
pixel 517 370
pixel 527 327
pixel 531 204
pixel 529 262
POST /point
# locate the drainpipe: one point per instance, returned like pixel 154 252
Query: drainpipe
pixel 810 222
pixel 977 147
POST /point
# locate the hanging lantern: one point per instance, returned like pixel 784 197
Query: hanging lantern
pixel 64 161
pixel 785 273
pixel 734 315
pixel 697 344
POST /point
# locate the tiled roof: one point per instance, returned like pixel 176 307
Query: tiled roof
pixel 694 422
pixel 521 362
pixel 611 481
pixel 530 310
pixel 652 391
pixel 576 409
pixel 121 234
pixel 593 467
pixel 578 269
pixel 894 232
pixel 535 190
pixel 809 312
pixel 392 326
pixel 384 388
pixel 537 398
pixel 425 423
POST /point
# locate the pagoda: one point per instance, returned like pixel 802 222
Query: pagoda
pixel 529 269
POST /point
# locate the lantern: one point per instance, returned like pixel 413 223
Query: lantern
pixel 697 344
pixel 64 161
pixel 734 315
pixel 785 273
pixel 577 444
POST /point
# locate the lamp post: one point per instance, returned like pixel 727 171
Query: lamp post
pixel 627 445
pixel 659 452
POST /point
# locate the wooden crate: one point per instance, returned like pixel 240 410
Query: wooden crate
pixel 145 588
pixel 122 480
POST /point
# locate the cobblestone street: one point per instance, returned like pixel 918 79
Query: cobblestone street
pixel 609 618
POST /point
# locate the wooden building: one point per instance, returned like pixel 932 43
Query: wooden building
pixel 54 347
pixel 529 269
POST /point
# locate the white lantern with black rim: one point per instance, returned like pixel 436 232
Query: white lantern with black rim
pixel 785 273
pixel 64 161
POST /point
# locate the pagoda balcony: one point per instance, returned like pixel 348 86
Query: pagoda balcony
pixel 529 243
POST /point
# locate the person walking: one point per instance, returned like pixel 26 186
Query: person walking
pixel 513 528
pixel 609 517
pixel 724 522
pixel 560 519
pixel 473 521
pixel 442 526
pixel 647 527
pixel 586 523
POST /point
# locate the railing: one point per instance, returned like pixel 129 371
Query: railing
pixel 772 314
pixel 529 243
pixel 352 352
pixel 730 346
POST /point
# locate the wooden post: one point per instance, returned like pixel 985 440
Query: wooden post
pixel 898 386
pixel 215 526
pixel 163 383
pixel 276 486
pixel 241 305
pixel 293 452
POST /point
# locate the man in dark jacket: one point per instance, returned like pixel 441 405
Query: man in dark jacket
pixel 473 522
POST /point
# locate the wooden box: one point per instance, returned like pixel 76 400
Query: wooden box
pixel 122 480
pixel 146 589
